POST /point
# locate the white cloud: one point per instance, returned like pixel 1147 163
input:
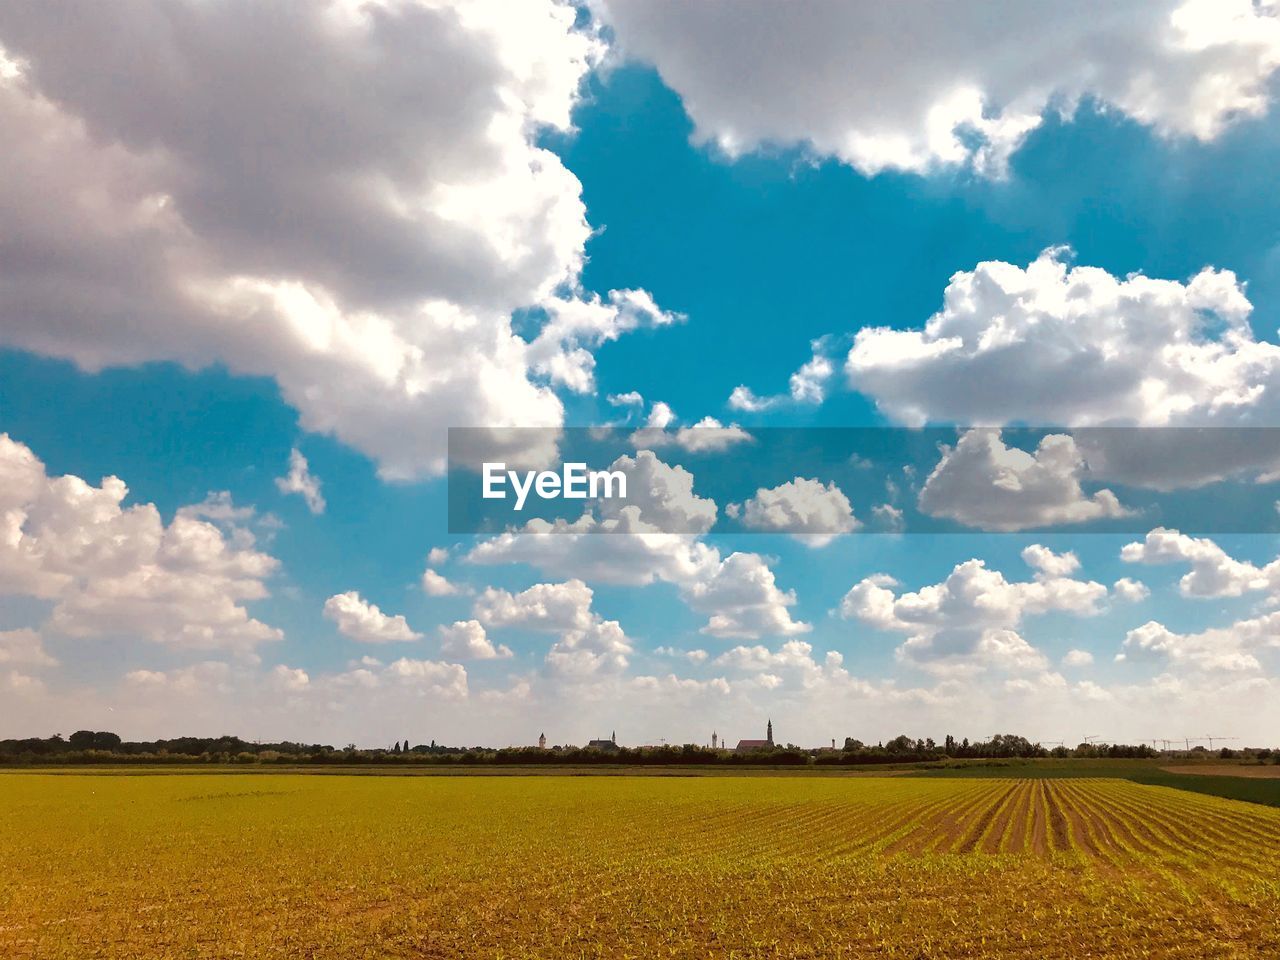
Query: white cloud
pixel 663 496
pixel 629 399
pixel 1048 564
pixel 436 585
pixel 24 647
pixel 1077 658
pixel 363 622
pixel 808 385
pixel 1130 590
pixel 919 86
pixel 708 435
pixel 602 551
pixel 1231 648
pixel 300 480
pixel 467 640
pixel 362 233
pixel 969 621
pixel 888 517
pixel 290 679
pixel 742 599
pixel 198 678
pixel 437 555
pixel 1213 572
pixel 586 646
pixel 815 513
pixel 427 677
pixel 560 351
pixel 116 571
pixel 1055 344
pixel 693 656
pixel 982 483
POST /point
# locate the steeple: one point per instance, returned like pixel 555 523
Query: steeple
pixel 614 736
pixel 769 735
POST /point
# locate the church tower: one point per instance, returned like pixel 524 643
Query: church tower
pixel 769 734
pixel 714 739
pixel 542 741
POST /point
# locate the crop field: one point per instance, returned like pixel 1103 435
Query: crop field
pixel 292 865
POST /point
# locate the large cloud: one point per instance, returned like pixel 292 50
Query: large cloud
pixel 920 85
pixel 741 598
pixel 1073 346
pixel 969 621
pixel 1231 648
pixel 981 482
pixel 364 622
pixel 587 645
pixel 1214 573
pixel 112 570
pixel 346 197
pixel 814 512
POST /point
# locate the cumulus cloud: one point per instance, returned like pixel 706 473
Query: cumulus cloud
pixel 659 496
pixel 436 585
pixel 808 385
pixel 24 647
pixel 1214 573
pixel 198 678
pixel 586 646
pixel 741 598
pixel 425 677
pixel 363 622
pixel 562 349
pixel 620 551
pixel 1130 590
pixel 981 482
pixel 814 512
pixel 116 571
pixel 920 86
pixel 969 621
pixel 362 233
pixel 1231 648
pixel 290 679
pixel 708 435
pixel 1077 658
pixel 467 640
pixel 300 480
pixel 738 593
pixel 1056 344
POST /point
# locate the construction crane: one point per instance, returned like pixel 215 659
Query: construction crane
pixel 1211 739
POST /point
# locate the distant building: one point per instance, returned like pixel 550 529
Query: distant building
pixel 746 746
pixel 608 746
pixel 714 739
pixel 542 741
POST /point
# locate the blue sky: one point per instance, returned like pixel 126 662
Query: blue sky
pixel 347 276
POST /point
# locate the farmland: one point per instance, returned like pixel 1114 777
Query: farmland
pixel 294 865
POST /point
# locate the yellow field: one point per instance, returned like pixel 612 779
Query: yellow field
pixel 562 867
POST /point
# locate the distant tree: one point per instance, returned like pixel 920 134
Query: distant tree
pixel 82 740
pixel 105 740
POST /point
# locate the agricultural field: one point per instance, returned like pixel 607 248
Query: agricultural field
pixel 295 865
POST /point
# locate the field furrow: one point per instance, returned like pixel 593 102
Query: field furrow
pixel 223 866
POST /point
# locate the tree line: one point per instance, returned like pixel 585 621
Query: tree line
pixel 90 747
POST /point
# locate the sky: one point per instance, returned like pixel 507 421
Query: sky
pixel 257 258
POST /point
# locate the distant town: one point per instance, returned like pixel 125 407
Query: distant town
pixel 87 746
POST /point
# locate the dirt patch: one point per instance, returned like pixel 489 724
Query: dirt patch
pixel 1257 771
